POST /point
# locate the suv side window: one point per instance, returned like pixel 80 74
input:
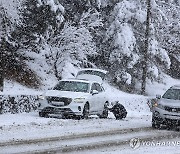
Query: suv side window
pixel 98 87
pixel 93 87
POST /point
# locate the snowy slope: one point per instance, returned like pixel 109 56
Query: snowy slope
pixel 18 126
pixel 25 126
pixel 136 106
pixel 11 7
pixel 154 88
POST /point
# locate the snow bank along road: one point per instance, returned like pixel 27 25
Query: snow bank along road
pixel 29 133
pixel 85 141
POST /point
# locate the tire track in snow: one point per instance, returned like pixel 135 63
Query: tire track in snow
pixel 111 142
pixel 86 141
pixel 73 136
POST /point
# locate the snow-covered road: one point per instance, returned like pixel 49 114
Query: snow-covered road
pixel 82 142
pixel 69 143
pixel 31 134
pixel 27 132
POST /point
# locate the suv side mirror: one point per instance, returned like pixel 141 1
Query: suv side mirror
pixel 158 96
pixel 94 92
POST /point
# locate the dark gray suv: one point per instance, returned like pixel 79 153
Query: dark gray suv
pixel 166 109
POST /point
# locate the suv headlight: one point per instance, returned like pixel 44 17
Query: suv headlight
pixel 156 104
pixel 79 100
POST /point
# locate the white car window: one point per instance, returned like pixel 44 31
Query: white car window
pixel 98 87
pixel 172 94
pixel 93 87
pixel 72 86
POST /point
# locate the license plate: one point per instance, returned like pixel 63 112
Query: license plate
pixel 58 103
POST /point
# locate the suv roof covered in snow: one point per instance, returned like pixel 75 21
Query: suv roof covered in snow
pixel 91 74
pixel 176 87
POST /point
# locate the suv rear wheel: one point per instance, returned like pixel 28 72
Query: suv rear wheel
pixel 86 111
pixel 105 111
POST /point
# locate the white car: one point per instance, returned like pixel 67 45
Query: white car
pixel 79 97
pixel 166 109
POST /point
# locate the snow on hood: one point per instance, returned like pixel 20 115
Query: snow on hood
pixel 170 102
pixel 69 94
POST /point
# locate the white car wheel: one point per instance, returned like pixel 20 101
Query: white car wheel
pixel 105 111
pixel 86 111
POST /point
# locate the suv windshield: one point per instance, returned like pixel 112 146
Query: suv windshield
pixel 172 94
pixel 72 86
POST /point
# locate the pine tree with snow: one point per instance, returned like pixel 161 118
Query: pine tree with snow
pixel 125 38
pixel 5 29
pixel 123 46
pixel 166 21
pixel 12 59
pixel 37 17
pixel 15 67
pixel 71 48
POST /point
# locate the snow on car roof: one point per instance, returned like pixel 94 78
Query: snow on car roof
pixel 77 80
pixel 94 69
pixel 176 86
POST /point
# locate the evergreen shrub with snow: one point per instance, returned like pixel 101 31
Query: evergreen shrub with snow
pixel 18 103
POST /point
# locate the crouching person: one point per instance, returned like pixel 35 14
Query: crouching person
pixel 119 111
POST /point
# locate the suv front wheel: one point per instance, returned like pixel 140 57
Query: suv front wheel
pixel 155 122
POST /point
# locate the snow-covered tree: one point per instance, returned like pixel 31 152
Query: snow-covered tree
pixel 70 48
pixel 37 19
pixel 58 36
pixel 38 22
pixel 13 58
pixel 125 37
pixel 92 20
pixel 5 26
pixel 5 22
pixel 88 14
pixel 14 67
pixel 166 23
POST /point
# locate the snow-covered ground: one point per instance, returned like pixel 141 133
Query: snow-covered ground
pixel 25 126
pixel 30 125
pixel 170 146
